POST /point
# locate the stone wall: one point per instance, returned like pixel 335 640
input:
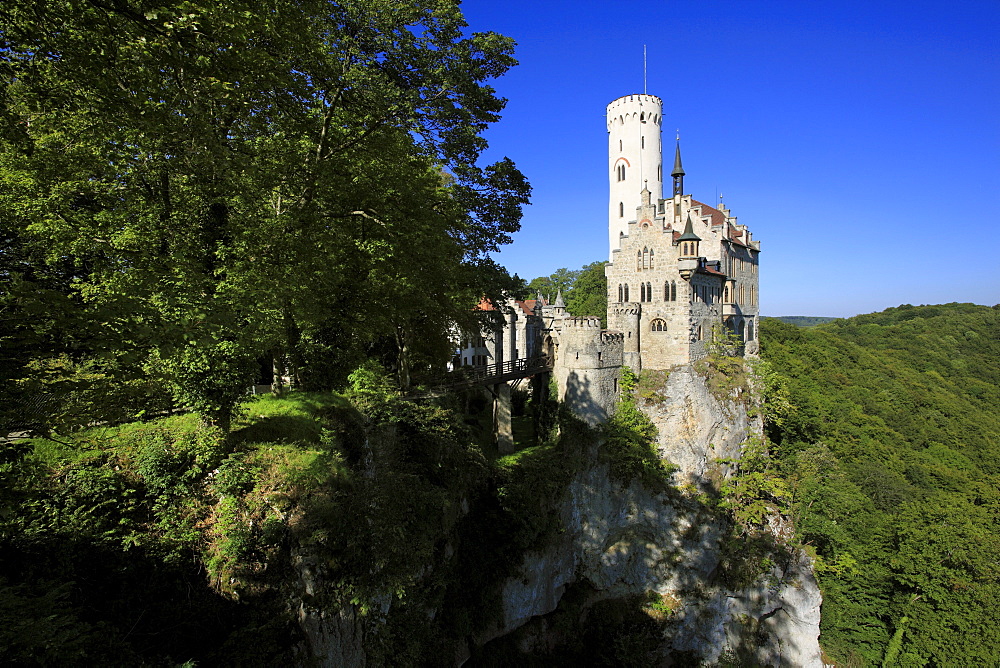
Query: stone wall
pixel 588 368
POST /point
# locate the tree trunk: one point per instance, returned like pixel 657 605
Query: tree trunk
pixel 277 372
pixel 402 358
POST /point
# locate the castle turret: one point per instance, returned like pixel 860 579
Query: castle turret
pixel 687 258
pixel 678 178
pixel 634 158
pixel 678 173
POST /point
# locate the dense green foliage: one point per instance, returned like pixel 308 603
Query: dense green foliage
pixel 585 291
pixel 161 542
pixel 892 459
pixel 804 320
pixel 631 441
pixel 188 190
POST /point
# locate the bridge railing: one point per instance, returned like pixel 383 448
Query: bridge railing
pixel 482 375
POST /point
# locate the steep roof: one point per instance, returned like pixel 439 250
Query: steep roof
pixel 718 218
pixel 689 234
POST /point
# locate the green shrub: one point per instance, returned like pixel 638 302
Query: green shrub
pixel 630 445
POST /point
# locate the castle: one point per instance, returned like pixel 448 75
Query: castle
pixel 681 273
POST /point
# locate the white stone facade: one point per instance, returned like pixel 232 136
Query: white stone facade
pixel 634 157
pixel 681 271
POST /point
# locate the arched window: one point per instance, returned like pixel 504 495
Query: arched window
pixel 645 258
pixel 621 209
pixel 659 173
pixel 642 292
pixel 649 292
pixel 626 292
pixel 701 333
pixel 673 291
pixel 642 117
pixel 651 258
pixel 619 144
pixel 638 260
pixel 725 295
pixel 666 291
pixel 749 330
pixel 740 330
pixel 642 141
pixel 620 293
pixel 658 325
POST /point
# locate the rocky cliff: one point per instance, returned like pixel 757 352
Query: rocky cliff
pixel 672 552
pixel 622 573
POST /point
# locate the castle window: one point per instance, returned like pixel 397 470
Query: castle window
pixel 642 142
pixel 645 258
pixel 649 292
pixel 666 291
pixel 750 330
pixel 642 117
pixel 642 292
pixel 619 144
pixel 701 333
pixel 621 209
pixel 650 258
pixel 658 325
pixel 620 294
pixel 599 355
pixel 626 292
pixel 638 260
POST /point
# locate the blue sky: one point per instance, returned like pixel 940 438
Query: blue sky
pixel 860 141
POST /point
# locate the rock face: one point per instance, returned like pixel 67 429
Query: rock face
pixel 624 540
pixel 711 595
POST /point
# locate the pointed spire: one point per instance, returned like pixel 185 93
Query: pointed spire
pixel 688 234
pixel 678 175
pixel 678 169
pixel 559 299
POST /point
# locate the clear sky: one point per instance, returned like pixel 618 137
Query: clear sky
pixel 860 141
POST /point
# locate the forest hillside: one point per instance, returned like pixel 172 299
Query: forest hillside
pixel 890 450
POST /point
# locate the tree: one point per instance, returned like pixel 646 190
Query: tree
pixel 229 183
pixel 590 292
pixel 549 286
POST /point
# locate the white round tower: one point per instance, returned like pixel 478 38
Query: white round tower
pixel 634 158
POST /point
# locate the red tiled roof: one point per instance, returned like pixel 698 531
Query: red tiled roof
pixel 718 218
pixel 528 305
pixel 734 236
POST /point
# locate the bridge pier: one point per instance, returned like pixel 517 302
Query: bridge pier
pixel 502 425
